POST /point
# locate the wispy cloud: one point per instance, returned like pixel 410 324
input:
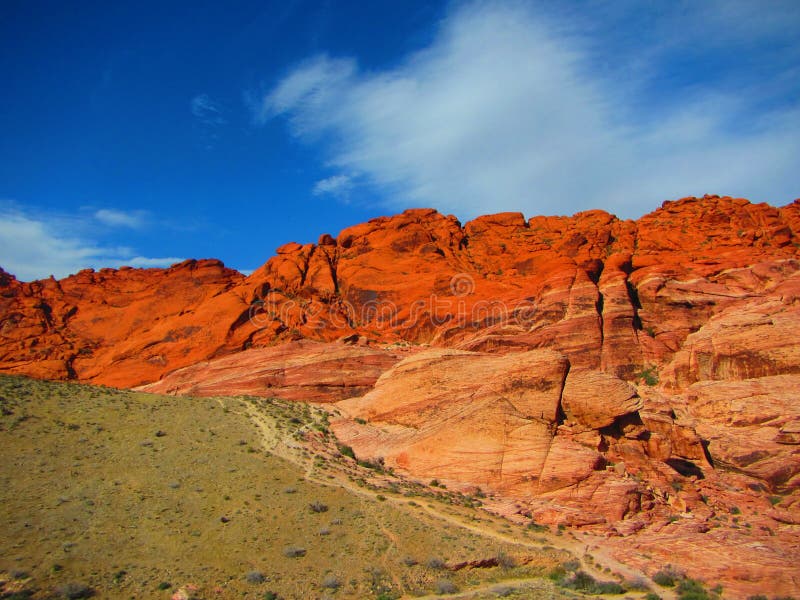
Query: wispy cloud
pixel 511 109
pixel 35 247
pixel 337 185
pixel 210 119
pixel 119 218
pixel 146 262
pixel 207 111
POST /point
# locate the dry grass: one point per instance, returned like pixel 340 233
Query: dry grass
pixel 135 495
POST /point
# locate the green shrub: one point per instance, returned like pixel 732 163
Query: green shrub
pixel 667 577
pixel 346 450
pixel 691 589
pixel 648 375
pixel 583 582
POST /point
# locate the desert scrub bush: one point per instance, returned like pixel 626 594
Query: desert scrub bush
pixel 164 585
pixel 583 582
pixel 294 552
pixel 18 595
pixel 691 589
pixel 346 450
pixel 637 584
pixel 374 465
pixel 331 582
pixel 505 561
pixel 271 596
pixel 119 576
pixel 445 586
pixel 318 507
pixel 74 591
pixel 572 565
pixel 255 577
pixel 667 577
pixel 435 563
pixel 652 596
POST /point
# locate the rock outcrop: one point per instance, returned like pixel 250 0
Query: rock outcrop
pixel 521 424
pixel 303 370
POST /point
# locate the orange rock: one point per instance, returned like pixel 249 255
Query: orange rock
pixel 595 399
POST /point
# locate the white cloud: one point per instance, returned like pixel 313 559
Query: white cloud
pixel 503 112
pixel 33 247
pixel 118 218
pixel 336 185
pixel 147 263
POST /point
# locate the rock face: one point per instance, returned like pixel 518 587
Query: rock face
pixel 608 294
pixel 119 327
pixel 637 378
pixel 303 370
pixel 521 424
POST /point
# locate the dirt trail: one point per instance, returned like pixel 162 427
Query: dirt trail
pixel 274 442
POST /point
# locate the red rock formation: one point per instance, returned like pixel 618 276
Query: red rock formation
pixel 609 294
pixel 615 375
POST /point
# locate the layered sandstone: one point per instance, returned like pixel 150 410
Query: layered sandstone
pixel 303 370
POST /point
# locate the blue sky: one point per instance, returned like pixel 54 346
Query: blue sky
pixel 143 133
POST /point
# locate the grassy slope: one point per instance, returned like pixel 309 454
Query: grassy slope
pixel 122 491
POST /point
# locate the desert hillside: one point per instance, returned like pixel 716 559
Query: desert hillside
pixel 635 381
pixel 116 494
